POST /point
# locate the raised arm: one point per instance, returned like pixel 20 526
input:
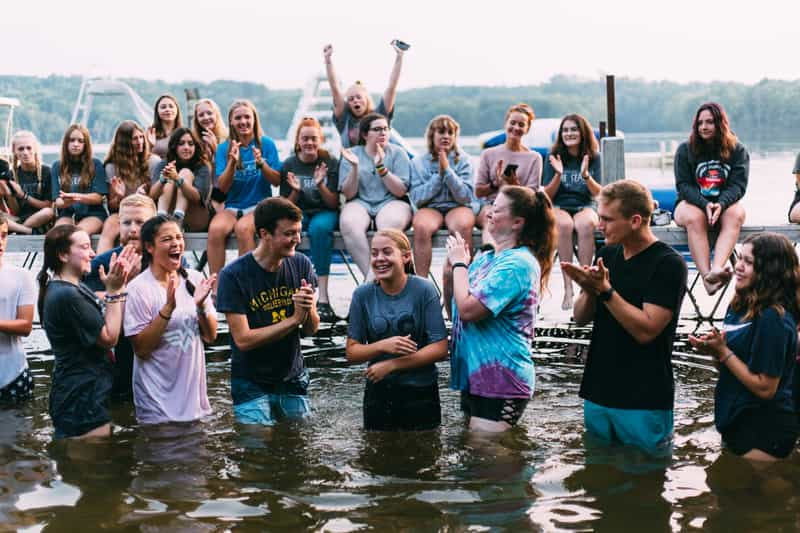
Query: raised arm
pixel 336 93
pixel 394 78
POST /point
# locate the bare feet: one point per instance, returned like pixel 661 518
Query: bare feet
pixel 566 304
pixel 716 279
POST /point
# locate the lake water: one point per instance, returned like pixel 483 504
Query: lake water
pixel 327 474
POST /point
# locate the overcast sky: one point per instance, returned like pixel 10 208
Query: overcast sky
pixel 279 42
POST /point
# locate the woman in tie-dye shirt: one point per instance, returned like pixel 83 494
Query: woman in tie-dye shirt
pixel 495 300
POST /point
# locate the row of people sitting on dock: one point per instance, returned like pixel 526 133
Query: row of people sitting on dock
pixel 632 294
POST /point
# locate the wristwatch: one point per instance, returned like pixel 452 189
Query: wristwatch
pixel 606 295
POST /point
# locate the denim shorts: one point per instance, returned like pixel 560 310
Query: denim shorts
pixel 649 430
pixel 285 401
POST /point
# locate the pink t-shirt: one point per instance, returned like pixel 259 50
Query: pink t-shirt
pixel 529 169
pixel 171 385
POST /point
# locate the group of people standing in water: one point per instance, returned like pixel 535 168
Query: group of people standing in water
pixel 132 320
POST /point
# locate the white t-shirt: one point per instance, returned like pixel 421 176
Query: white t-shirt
pixel 16 289
pixel 170 386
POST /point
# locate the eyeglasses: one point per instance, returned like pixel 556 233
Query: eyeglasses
pixel 379 129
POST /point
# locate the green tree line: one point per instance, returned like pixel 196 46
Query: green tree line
pixel 642 106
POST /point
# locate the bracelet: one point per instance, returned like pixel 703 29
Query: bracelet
pixel 167 318
pixel 162 179
pixel 730 354
pixel 460 264
pixel 111 298
pixel 179 182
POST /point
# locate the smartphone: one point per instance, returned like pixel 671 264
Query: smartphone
pixel 510 170
pixel 401 44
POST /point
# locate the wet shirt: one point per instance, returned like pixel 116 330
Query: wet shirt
pixel 82 373
pixel 169 386
pixel 572 191
pixel 249 184
pixel 371 189
pixel 621 373
pixel 16 290
pixel 309 199
pixel 30 182
pixel 767 344
pixel 492 357
pixel 98 185
pixel 265 298
pixel 348 125
pixel 415 311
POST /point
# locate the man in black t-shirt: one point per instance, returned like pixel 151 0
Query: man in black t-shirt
pixel 633 293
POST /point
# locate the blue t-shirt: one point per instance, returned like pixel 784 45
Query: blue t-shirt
pixel 573 193
pixel 492 357
pixel 265 298
pixel 767 344
pixel 415 311
pixel 98 185
pixel 249 185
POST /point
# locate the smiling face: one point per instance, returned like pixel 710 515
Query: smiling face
pixel 167 247
pixel 286 237
pixel 570 134
pixel 501 222
pixel 78 260
pixel 25 151
pixel 517 125
pixel 743 272
pixel 131 220
pixel 167 109
pixel 706 126
pixel 186 147
pixel 388 262
pixel 206 116
pixel 76 143
pixel 378 133
pixel 242 120
pixel 308 141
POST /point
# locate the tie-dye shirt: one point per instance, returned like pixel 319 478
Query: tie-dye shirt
pixel 492 357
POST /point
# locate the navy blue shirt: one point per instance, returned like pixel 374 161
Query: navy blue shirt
pixel 265 298
pixel 98 185
pixel 767 344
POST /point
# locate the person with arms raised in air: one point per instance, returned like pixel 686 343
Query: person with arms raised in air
pixel 495 298
pixel 247 165
pixel 356 103
pixel 168 317
pixel 81 330
pixel 182 181
pixel 134 211
pixel 27 190
pixel 128 165
pixel 374 178
pixel 17 298
pixel 571 179
pixel 209 126
pixel 78 183
pixel 511 163
pixel 634 295
pixel 442 191
pixel 754 408
pixel 268 297
pixel 711 173
pixel 166 119
pixel 310 179
pixel 396 325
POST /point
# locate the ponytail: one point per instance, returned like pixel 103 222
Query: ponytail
pixel 44 279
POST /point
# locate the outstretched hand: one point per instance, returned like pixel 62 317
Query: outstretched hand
pixel 556 163
pixel 202 290
pixel 457 249
pixel 592 279
pixel 350 157
pixel 120 269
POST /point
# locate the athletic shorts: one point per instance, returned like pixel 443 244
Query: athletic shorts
pixel 649 430
pixel 241 212
pixel 772 432
pixel 393 407
pixel 19 390
pixel 508 410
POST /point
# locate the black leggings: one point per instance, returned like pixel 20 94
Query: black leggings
pixel 392 407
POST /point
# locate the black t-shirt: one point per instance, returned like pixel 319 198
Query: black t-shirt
pixel 29 182
pixel 265 298
pixel 621 373
pixel 309 199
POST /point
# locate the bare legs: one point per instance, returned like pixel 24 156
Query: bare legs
pixel 583 223
pixel 223 223
pixel 354 222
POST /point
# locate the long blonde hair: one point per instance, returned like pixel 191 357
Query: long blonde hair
pixel 37 156
pixel 257 131
pixel 220 131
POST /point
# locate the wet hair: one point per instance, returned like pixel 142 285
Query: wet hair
pixel 147 235
pixel 257 131
pixel 588 145
pixel 776 278
pixel 525 109
pixel 724 141
pixel 310 122
pixel 539 230
pixel 198 158
pixel 37 156
pixel 357 85
pixel 87 165
pixel 634 198
pixel 442 122
pixel 219 131
pixel 272 210
pixel 131 166
pixel 366 124
pixel 57 241
pixel 402 243
pixel 158 124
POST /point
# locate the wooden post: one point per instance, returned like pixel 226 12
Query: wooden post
pixel 602 127
pixel 611 107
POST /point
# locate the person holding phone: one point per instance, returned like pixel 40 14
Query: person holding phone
pixel 511 163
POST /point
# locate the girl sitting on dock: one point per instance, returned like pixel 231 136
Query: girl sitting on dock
pixel 442 192
pixel 246 166
pixel 396 326
pixel 356 103
pixel 209 126
pixel 182 181
pixel 128 165
pixel 310 179
pixel 754 406
pixel 166 118
pixel 374 178
pixel 711 172
pixel 78 183
pixel 28 194
pixel 571 179
pixel 511 163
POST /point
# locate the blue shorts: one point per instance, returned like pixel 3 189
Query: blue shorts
pixel 286 401
pixel 650 430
